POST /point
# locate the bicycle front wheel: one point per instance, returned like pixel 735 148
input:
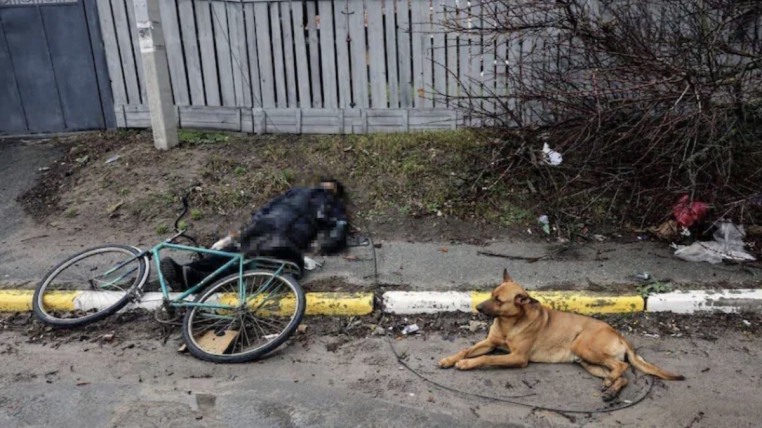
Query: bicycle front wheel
pixel 224 329
pixel 89 286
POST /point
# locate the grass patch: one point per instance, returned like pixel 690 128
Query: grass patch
pixel 161 229
pixel 71 213
pixel 194 137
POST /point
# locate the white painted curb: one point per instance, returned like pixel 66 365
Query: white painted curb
pixel 688 302
pixel 419 302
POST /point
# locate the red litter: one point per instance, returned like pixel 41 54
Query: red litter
pixel 688 212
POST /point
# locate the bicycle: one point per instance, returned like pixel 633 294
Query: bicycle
pixel 263 302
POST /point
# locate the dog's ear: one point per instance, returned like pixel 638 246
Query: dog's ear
pixel 506 277
pixel 524 299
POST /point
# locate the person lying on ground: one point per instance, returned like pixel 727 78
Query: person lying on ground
pixel 302 219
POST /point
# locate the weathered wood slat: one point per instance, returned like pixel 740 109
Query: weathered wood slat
pixel 359 54
pixel 464 58
pixel 328 54
pixel 288 53
pixel 110 45
pixel 239 55
pixel 476 59
pixel 223 44
pixel 428 52
pixel 416 20
pixel 252 44
pixel 314 42
pixel 265 57
pixel 173 45
pixel 390 27
pixel 439 53
pixel 208 55
pixel 300 55
pixel 404 65
pixel 130 6
pixel 278 65
pixel 450 14
pixel 127 54
pixel 190 48
pixel 378 96
pixel 343 71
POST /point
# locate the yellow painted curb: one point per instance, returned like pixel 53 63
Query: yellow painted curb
pixel 581 302
pixel 334 304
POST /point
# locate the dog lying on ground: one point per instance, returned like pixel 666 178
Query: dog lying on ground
pixel 533 333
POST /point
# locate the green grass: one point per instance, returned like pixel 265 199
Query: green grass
pixel 71 213
pixel 196 215
pixel 161 229
pixel 201 137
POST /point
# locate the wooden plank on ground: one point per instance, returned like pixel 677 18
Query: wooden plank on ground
pixel 343 71
pixel 378 97
pixel 208 55
pixel 190 48
pixel 174 47
pixel 359 53
pixel 300 55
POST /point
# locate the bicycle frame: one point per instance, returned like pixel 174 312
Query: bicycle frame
pixel 179 301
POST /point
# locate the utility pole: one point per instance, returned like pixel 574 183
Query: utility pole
pixel 156 72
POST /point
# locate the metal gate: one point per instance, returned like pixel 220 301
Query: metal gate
pixel 53 73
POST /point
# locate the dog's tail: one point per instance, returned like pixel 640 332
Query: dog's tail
pixel 644 366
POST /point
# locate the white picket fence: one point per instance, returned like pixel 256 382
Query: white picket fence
pixel 312 66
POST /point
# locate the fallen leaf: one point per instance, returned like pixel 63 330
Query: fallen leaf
pixel 444 249
pixel 114 207
pixel 350 257
pixel 83 383
pixel 348 148
pixel 302 328
pixel 420 92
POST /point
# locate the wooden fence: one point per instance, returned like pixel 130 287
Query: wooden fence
pixel 344 66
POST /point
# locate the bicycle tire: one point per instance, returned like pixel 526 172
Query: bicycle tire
pixel 258 353
pixel 37 300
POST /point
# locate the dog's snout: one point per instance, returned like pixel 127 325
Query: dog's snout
pixel 480 307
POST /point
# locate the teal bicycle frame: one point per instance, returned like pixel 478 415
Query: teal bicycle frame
pixel 235 258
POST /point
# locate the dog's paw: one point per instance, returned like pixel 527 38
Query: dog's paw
pixel 446 363
pixel 464 365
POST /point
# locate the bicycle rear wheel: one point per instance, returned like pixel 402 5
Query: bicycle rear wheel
pixel 227 331
pixel 89 286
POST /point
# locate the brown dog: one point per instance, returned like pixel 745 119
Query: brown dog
pixel 533 333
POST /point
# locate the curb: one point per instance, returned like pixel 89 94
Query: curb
pixel 333 304
pixel 689 302
pixel 408 303
pixel 433 302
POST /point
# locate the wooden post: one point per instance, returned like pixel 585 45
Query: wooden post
pixel 156 72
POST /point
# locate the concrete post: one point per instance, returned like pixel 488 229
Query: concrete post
pixel 156 72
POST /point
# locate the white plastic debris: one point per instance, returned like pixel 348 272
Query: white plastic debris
pixel 412 328
pixel 543 219
pixel 309 263
pixel 727 245
pixel 550 156
pixel 113 159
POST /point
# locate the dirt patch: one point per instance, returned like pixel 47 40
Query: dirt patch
pixel 416 187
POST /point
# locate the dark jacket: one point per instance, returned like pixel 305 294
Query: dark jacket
pixel 291 222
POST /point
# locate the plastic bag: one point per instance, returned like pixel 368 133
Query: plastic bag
pixel 727 245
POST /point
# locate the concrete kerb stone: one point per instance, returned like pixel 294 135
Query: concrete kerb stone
pixel 432 302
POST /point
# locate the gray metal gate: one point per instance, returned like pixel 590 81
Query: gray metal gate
pixel 53 73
